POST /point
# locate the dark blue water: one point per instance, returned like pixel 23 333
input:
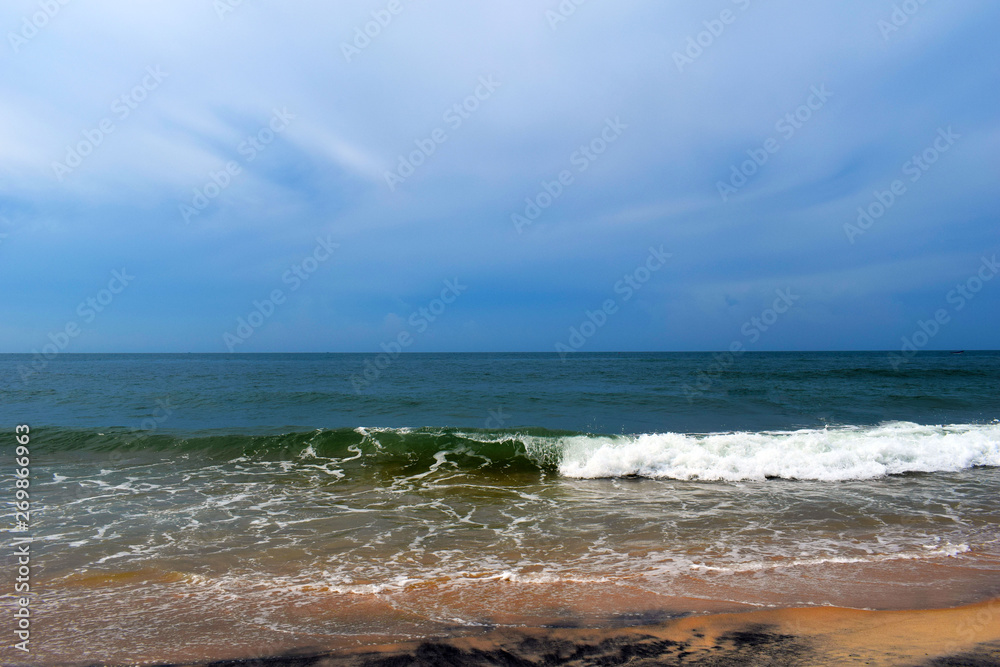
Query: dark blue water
pixel 595 393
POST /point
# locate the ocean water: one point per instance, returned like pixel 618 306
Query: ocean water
pixel 198 506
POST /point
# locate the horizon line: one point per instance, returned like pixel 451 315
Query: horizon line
pixel 590 352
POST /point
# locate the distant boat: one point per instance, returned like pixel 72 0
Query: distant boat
pixel 958 352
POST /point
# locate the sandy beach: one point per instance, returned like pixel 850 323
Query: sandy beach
pixel 968 635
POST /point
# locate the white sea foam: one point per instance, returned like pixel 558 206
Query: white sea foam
pixel 947 551
pixel 831 454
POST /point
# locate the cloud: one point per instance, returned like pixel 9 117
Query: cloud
pixel 688 128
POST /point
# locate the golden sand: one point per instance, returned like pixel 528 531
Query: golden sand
pixel 967 635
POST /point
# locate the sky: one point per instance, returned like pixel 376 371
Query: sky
pixel 264 176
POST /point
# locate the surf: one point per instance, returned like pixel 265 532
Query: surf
pixel 830 454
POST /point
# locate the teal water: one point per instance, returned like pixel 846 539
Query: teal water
pixel 589 392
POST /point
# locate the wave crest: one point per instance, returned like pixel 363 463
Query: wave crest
pixel 830 454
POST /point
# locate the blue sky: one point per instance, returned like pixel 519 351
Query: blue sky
pixel 642 108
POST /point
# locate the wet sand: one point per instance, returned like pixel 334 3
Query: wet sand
pixel 968 635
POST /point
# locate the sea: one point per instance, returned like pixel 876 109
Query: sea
pixel 202 506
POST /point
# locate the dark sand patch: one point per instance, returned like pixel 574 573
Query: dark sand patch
pixel 967 636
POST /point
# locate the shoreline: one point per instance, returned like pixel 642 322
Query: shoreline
pixel 967 635
pixel 802 615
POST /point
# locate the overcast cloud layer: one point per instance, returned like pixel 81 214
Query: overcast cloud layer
pixel 246 138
